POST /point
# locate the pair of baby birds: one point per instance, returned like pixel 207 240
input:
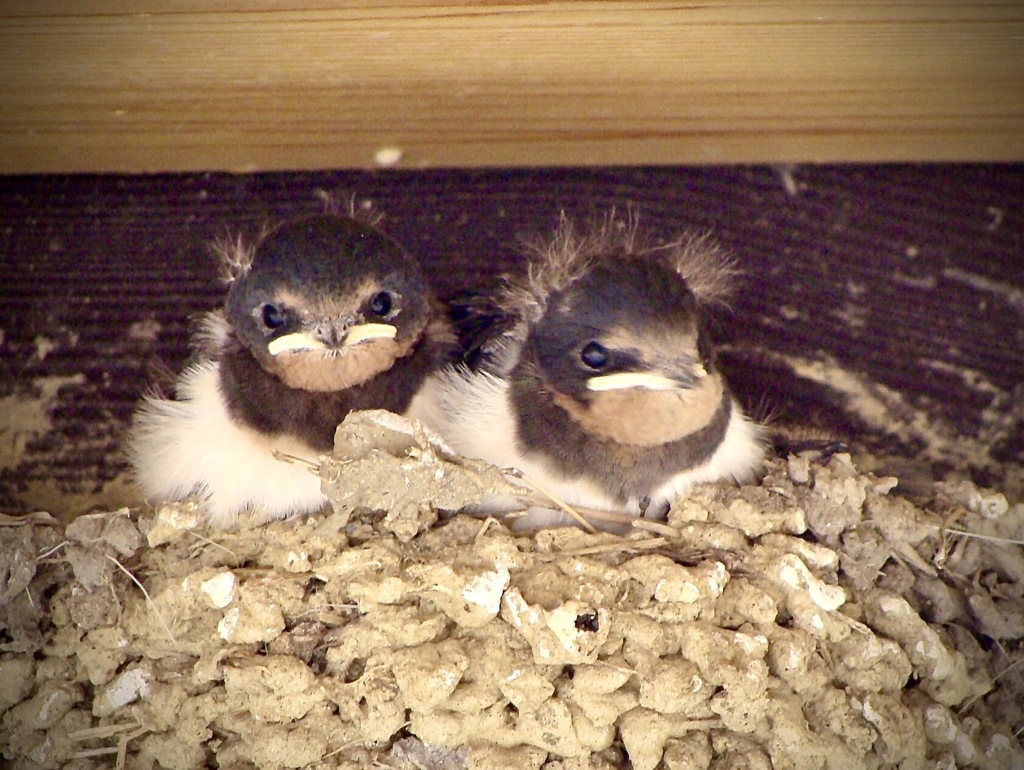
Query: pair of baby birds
pixel 593 375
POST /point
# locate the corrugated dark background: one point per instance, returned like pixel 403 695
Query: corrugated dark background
pixel 907 278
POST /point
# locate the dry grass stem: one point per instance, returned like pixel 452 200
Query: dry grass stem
pixel 287 458
pixel 103 731
pixel 572 512
pixel 622 545
pixel 977 536
pixel 51 551
pixel 149 599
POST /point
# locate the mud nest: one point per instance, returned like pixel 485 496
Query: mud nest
pixel 818 619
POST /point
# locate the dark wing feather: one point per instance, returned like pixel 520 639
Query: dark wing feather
pixel 484 328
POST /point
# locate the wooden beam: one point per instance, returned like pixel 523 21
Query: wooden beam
pixel 228 85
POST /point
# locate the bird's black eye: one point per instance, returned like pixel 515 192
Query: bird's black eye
pixel 594 355
pixel 272 316
pixel 381 303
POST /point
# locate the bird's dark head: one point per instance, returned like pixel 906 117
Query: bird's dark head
pixel 328 302
pixel 623 351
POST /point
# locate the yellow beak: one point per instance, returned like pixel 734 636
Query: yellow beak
pixel 307 341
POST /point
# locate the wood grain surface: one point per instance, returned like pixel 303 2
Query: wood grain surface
pixel 231 85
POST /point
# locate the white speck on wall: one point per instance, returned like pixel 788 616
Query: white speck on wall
pixel 44 346
pixel 924 282
pixel 127 688
pixel 852 315
pixel 145 331
pixel 486 590
pixel 228 623
pixel 856 289
pixel 24 417
pixel 870 714
pixel 995 218
pixel 44 711
pixel 297 559
pixel 786 176
pixel 965 748
pixel 1005 291
pixel 220 590
pixel 751 643
pixel 387 156
pixel 795 573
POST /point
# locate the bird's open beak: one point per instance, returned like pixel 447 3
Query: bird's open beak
pixel 310 341
pixel 649 380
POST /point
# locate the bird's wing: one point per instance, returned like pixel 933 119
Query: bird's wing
pixel 489 334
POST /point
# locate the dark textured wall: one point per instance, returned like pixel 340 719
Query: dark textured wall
pixel 881 303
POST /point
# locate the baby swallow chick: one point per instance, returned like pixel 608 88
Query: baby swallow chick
pixel 325 315
pixel 595 377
